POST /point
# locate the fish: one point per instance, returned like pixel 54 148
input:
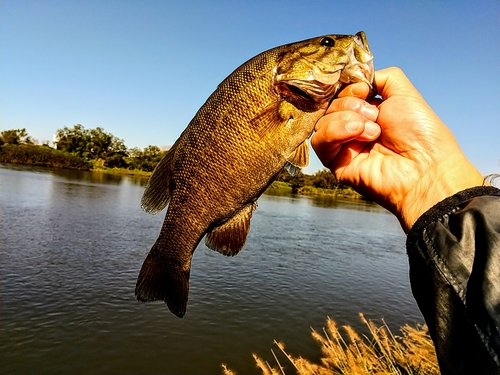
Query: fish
pixel 252 127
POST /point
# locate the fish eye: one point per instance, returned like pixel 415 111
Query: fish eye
pixel 327 42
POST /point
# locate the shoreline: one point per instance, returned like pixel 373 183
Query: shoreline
pixel 122 171
pixel 307 190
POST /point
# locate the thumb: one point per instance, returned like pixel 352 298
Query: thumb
pixel 392 81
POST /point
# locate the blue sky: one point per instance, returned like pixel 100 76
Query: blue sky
pixel 141 69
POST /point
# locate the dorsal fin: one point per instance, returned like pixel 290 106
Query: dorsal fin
pixel 229 238
pixel 159 188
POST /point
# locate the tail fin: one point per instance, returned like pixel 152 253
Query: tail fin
pixel 161 280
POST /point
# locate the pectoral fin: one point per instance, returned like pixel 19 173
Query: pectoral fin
pixel 298 159
pixel 268 120
pixel 159 187
pixel 229 238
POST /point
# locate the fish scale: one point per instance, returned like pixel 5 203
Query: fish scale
pixel 253 125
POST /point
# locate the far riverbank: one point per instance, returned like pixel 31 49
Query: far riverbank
pixel 320 184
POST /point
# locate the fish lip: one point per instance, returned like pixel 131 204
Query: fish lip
pixel 299 91
pixel 373 87
pixel 362 41
pixel 359 72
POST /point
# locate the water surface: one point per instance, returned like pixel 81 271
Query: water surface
pixel 73 242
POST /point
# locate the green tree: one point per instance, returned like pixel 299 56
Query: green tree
pixel 324 179
pixel 133 158
pixel 150 157
pixel 146 159
pixel 151 152
pixel 74 140
pixel 296 182
pixel 93 144
pixel 103 144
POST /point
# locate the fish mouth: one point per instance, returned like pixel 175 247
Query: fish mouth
pixel 299 92
pixel 328 84
pixel 313 91
pixel 323 86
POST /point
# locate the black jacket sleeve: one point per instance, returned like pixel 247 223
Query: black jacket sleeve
pixel 454 255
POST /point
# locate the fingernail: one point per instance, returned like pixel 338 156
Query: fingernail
pixel 371 129
pixel 370 112
pixel 354 126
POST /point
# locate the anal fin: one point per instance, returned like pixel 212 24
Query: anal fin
pixel 229 238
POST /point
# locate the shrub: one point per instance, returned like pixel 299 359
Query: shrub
pixel 40 155
pixel 412 353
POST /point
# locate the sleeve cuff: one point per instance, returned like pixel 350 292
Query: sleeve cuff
pixel 444 207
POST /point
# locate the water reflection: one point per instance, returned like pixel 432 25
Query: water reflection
pixel 326 201
pixel 75 175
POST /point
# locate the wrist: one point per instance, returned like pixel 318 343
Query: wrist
pixel 447 179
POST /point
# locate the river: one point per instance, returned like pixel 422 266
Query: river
pixel 72 243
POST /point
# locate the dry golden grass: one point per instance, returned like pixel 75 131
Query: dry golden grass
pixel 352 354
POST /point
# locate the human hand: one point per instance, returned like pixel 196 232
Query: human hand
pixel 394 150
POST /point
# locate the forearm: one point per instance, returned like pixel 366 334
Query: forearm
pixel 454 254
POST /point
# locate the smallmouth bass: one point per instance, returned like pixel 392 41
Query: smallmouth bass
pixel 253 125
